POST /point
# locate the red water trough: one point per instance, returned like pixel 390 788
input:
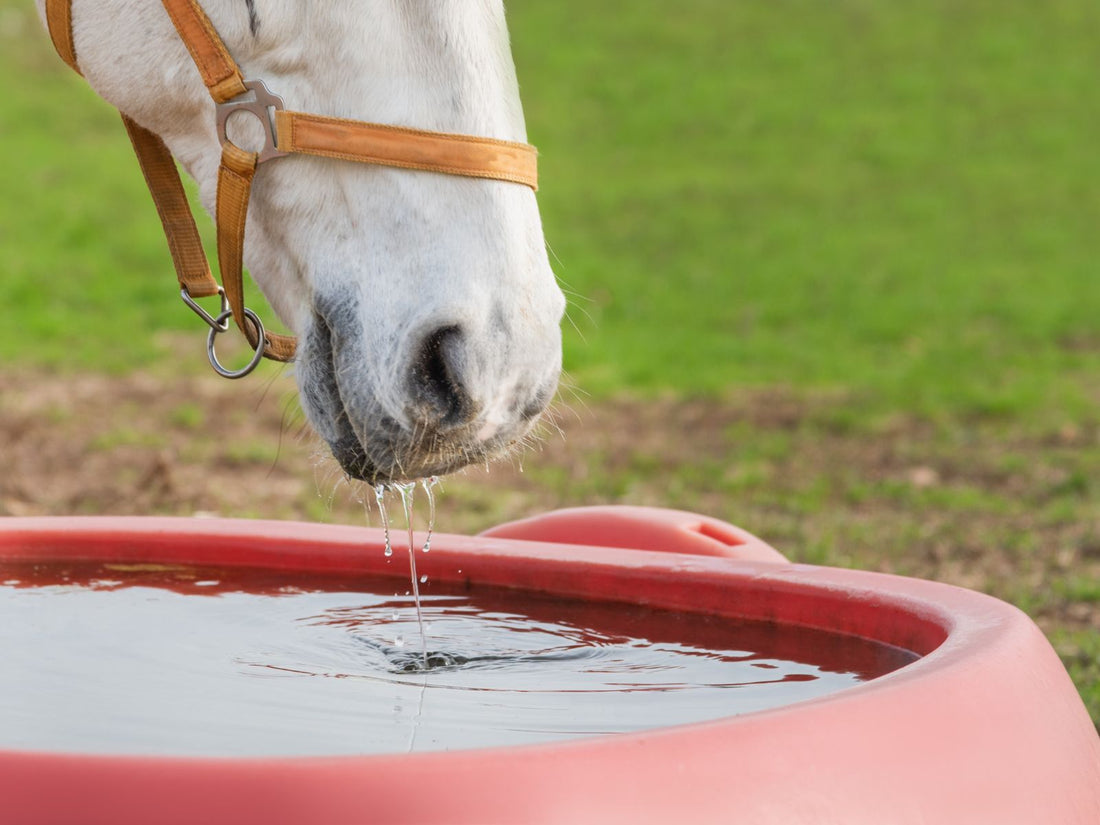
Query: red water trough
pixel 984 727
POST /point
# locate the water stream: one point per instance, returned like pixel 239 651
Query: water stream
pixel 407 493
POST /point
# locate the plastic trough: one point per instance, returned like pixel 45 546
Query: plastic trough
pixel 985 727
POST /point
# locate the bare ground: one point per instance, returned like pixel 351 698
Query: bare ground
pixel 989 505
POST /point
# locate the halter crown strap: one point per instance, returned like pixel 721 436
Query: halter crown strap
pixel 219 70
pixel 291 132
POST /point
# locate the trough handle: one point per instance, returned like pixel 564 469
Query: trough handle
pixel 640 528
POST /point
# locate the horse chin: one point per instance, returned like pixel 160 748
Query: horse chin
pixel 380 463
pixel 393 455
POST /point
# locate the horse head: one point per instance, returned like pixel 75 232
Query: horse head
pixel 425 307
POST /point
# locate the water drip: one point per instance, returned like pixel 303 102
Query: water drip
pixel 380 497
pixel 429 484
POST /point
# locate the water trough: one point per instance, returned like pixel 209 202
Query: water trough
pixel 978 723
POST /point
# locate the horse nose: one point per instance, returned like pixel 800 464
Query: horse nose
pixel 440 396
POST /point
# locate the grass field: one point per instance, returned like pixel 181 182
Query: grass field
pixel 898 198
pixel 878 218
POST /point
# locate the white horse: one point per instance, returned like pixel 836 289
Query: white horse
pixel 426 310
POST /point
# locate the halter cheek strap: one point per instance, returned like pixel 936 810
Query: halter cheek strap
pixel 287 132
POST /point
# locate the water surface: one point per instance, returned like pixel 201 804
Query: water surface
pixel 154 659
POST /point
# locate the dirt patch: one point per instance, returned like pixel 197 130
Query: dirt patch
pixel 994 507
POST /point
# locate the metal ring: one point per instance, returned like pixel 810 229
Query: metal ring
pixel 256 356
pixel 214 323
pixel 258 101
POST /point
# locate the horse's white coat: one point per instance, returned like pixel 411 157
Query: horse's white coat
pixel 426 309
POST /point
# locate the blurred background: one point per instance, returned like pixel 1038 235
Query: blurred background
pixel 833 271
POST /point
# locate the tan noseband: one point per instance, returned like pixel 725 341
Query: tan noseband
pixel 287 132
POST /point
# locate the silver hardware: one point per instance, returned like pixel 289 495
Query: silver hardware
pixel 221 324
pixel 262 104
pixel 257 356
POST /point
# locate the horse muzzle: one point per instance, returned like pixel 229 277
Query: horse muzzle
pixel 443 398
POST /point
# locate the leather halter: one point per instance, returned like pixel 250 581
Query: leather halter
pixel 286 132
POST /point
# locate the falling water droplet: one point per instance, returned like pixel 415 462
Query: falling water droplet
pixel 380 497
pixel 428 484
pixel 423 579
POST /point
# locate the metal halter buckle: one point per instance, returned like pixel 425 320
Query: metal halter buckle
pixel 260 103
pixel 221 323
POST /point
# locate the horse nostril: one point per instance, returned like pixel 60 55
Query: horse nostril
pixel 436 379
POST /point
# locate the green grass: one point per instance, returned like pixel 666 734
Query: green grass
pixel 899 199
pixel 1080 650
pixel 896 200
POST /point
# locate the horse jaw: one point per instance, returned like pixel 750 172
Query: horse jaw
pixel 427 313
